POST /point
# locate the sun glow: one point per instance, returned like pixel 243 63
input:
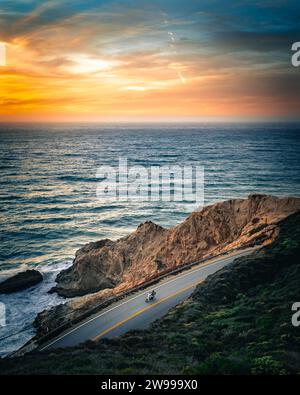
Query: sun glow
pixel 84 64
pixel 2 54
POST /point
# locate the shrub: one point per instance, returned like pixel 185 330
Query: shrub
pixel 218 364
pixel 266 365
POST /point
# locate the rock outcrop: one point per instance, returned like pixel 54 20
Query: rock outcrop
pixel 20 281
pixel 107 264
pixel 151 249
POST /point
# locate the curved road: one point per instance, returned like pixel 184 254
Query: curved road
pixel 133 313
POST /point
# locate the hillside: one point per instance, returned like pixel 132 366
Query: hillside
pixel 237 321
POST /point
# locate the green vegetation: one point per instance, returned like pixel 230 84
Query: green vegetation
pixel 237 322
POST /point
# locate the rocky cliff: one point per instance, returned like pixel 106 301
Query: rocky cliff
pixel 121 264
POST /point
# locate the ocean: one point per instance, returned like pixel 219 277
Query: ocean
pixel 49 207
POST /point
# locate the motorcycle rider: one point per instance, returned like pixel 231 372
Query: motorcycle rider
pixel 151 295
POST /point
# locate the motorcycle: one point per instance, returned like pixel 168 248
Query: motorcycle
pixel 150 296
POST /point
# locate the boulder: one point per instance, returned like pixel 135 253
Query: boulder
pixel 21 281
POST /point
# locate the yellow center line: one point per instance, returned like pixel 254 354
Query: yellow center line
pixel 96 338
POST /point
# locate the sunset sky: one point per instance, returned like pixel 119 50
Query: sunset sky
pixel 148 60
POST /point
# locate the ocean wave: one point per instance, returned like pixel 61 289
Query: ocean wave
pixel 72 178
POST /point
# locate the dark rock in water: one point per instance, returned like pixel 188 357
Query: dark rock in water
pixel 21 281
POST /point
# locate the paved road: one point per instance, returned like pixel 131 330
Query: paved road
pixel 133 313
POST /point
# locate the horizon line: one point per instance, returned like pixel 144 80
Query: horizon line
pixel 154 121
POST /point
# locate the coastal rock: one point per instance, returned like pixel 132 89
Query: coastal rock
pixel 21 281
pixel 151 249
pixel 106 264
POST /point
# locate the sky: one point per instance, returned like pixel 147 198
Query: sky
pixel 70 60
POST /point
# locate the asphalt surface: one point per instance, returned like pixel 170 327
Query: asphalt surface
pixel 133 312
